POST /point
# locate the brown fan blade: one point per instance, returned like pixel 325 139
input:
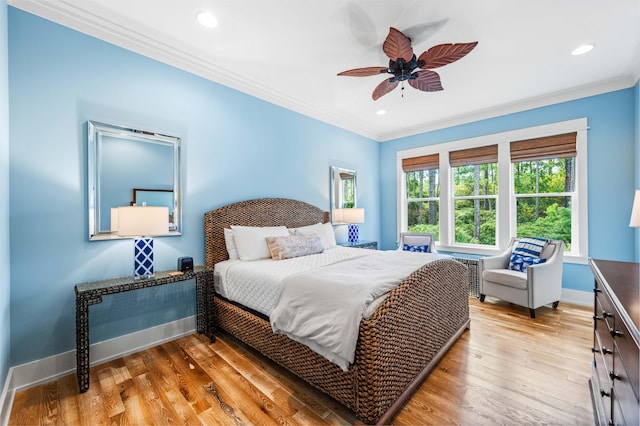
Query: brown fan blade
pixel 364 72
pixel 427 81
pixel 383 88
pixel 444 54
pixel 397 45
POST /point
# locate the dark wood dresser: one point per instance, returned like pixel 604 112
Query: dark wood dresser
pixel 616 362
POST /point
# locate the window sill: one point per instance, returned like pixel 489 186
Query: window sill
pixel 481 250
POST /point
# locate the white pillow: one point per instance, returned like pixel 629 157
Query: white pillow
pixel 323 230
pixel 231 244
pixel 250 240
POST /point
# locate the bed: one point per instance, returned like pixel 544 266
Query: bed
pixel 398 344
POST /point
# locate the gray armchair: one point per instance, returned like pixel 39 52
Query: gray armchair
pixel 417 239
pixel 539 285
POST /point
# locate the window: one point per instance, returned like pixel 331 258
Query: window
pixel 422 194
pixel 544 186
pixel 475 194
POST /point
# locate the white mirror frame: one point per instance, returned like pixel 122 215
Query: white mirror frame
pixel 95 134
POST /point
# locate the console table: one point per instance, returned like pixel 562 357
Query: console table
pixel 88 294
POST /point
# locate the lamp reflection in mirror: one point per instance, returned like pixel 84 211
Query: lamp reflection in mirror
pixel 635 211
pixel 142 222
pixel 351 217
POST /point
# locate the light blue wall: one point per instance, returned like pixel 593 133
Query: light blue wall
pixel 4 199
pixel 637 150
pixel 611 167
pixel 235 147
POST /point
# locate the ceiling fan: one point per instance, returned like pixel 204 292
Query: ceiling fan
pixel 403 64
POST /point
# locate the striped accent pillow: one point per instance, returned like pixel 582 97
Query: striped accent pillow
pixel 530 246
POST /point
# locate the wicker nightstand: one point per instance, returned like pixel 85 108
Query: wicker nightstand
pixel 372 245
pixel 88 294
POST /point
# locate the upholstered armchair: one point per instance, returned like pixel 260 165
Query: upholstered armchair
pixel 417 240
pixel 538 285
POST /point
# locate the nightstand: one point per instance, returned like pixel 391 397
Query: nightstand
pixel 372 245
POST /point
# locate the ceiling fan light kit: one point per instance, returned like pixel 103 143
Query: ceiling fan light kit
pixel 405 66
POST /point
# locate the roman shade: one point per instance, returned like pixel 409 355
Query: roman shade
pixel 556 146
pixel 474 156
pixel 424 162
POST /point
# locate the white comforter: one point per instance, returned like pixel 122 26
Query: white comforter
pixel 255 283
pixel 322 308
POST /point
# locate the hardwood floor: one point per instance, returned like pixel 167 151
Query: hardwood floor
pixel 507 369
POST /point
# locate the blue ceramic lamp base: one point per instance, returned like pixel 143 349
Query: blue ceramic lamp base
pixel 143 258
pixel 353 233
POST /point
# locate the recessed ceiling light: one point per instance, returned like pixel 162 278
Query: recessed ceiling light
pixel 381 112
pixel 207 19
pixel 581 50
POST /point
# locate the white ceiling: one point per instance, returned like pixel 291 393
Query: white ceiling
pixel 288 52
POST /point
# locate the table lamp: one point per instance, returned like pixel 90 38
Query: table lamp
pixel 635 211
pixel 143 222
pixel 352 217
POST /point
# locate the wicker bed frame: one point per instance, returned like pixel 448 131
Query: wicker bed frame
pixel 398 345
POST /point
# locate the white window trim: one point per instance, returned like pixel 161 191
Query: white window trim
pixel 506 197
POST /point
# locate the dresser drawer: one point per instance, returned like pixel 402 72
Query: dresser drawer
pixel 627 354
pixel 601 397
pixel 603 323
pixel 625 383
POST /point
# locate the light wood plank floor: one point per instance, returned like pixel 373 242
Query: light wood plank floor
pixel 507 369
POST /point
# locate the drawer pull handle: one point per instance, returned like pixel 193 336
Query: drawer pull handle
pixel 613 376
pixel 597 318
pixel 616 333
pixel 607 314
pixel 603 393
pixel 597 290
pixel 606 351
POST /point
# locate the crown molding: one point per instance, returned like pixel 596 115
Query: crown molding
pixel 68 14
pixel 605 86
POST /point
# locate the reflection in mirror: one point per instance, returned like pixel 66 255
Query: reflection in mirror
pixel 343 189
pixel 155 197
pixel 131 167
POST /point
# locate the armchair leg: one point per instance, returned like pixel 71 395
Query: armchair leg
pixel 532 312
pixel 555 304
pixel 482 297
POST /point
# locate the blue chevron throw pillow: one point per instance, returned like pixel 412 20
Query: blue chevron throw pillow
pixel 421 249
pixel 517 262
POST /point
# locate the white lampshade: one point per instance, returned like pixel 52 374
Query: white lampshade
pixel 142 221
pixel 353 215
pixel 635 211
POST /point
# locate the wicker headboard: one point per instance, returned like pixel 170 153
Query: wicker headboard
pixel 259 212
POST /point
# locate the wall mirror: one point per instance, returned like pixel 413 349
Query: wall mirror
pixel 131 167
pixel 343 189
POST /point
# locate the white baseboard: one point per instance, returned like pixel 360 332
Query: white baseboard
pixel 52 368
pixel 577 297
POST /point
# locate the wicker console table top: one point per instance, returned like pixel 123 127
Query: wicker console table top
pixel 88 294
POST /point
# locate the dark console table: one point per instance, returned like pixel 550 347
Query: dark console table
pixel 88 294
